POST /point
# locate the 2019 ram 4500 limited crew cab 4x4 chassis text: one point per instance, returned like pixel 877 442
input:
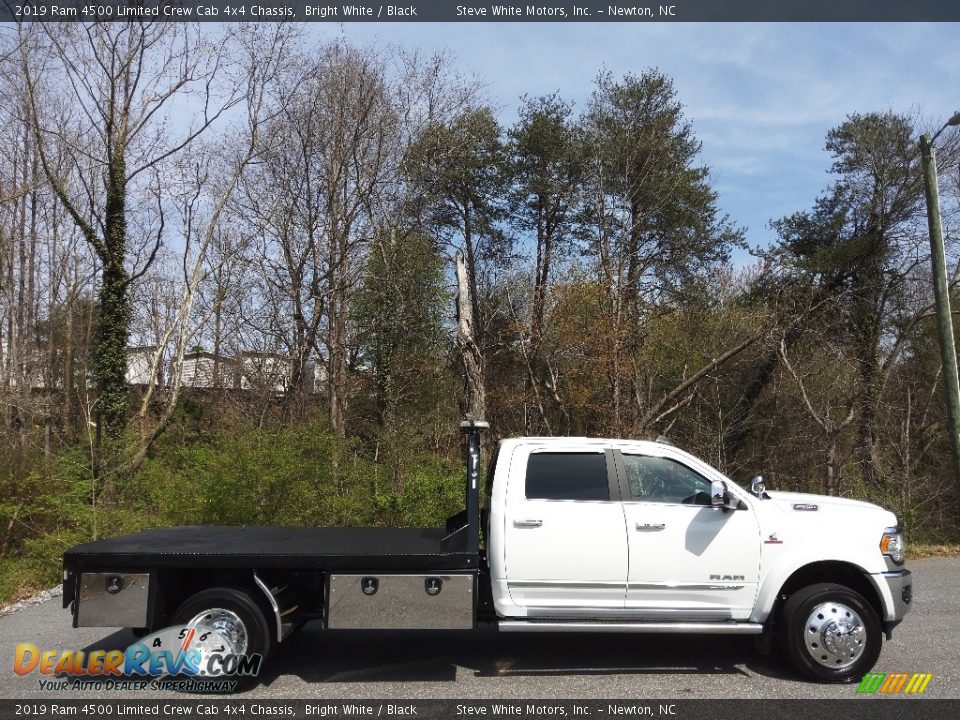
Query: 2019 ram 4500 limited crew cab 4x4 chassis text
pixel 582 535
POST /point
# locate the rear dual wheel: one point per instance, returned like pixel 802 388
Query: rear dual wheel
pixel 231 618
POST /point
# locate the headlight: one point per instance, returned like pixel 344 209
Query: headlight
pixel 892 545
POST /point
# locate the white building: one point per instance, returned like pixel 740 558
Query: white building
pixel 200 368
pixel 264 371
pixel 139 365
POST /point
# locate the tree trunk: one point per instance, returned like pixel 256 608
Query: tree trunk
pixel 113 325
pixel 868 433
pixel 867 289
pixel 69 422
pixel 830 473
pixel 475 403
pixel 538 310
pixel 338 310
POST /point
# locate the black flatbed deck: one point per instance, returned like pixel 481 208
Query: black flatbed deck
pixel 343 549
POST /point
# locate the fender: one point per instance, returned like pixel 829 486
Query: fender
pixel 778 575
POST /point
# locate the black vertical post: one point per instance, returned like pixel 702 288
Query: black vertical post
pixel 473 428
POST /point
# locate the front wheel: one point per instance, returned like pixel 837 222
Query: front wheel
pixel 831 633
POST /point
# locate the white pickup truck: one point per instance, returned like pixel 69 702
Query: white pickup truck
pixel 582 535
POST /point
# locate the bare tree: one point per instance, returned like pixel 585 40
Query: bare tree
pixel 44 276
pixel 106 140
pixel 207 190
pixel 826 419
pixel 309 203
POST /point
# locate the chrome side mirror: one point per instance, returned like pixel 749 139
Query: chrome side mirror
pixel 757 487
pixel 718 493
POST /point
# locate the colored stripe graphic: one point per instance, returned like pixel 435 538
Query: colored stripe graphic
pixel 897 685
pixel 927 677
pixel 870 683
pixel 894 683
pixel 188 639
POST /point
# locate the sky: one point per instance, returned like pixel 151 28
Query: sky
pixel 761 96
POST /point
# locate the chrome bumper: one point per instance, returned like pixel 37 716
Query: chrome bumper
pixel 900 583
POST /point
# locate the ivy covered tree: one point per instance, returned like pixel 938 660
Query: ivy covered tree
pixel 99 104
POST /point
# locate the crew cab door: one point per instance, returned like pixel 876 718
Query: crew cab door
pixel 566 543
pixel 688 560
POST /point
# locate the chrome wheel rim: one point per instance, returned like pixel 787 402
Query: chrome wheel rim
pixel 834 635
pixel 219 626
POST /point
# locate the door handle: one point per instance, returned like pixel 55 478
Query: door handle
pixel 527 523
pixel 649 526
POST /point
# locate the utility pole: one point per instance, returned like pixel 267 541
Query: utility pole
pixel 941 292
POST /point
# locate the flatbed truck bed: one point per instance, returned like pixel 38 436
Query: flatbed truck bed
pixel 341 549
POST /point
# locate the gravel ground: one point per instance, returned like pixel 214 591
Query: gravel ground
pixel 38 599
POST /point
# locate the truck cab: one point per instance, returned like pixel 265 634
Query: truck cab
pixel 617 535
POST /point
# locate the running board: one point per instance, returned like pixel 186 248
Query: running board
pixel 728 628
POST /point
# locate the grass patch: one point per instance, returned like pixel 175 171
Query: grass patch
pixel 21 578
pixel 291 476
pixel 928 550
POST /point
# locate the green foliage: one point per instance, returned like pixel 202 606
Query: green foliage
pixel 459 165
pixel 851 265
pixel 651 200
pixel 293 476
pixel 547 166
pixel 46 510
pixel 300 475
pixel 399 315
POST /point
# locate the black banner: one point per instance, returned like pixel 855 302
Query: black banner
pixel 854 709
pixel 480 11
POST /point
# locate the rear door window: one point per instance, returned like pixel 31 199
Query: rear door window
pixel 567 476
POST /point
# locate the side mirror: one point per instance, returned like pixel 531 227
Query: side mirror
pixel 757 487
pixel 718 493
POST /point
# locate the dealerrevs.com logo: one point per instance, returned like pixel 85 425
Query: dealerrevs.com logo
pixel 894 683
pixel 183 651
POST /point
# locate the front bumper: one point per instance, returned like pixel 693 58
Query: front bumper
pixel 900 583
pixel 896 591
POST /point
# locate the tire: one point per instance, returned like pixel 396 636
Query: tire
pixel 235 612
pixel 830 633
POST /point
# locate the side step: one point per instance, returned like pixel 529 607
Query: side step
pixel 726 628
